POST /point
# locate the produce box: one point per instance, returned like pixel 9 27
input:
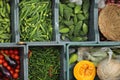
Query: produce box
pixel 13 62
pixel 47 62
pixel 94 53
pixel 77 22
pixel 108 21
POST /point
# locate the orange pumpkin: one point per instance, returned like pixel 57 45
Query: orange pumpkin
pixel 84 70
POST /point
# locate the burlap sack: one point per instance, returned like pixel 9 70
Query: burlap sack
pixel 109 22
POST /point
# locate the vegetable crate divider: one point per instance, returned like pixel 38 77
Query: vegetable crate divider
pixel 62 58
pixel 23 58
pixel 93 37
pixel 76 46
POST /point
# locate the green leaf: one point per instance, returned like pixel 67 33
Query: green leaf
pixel 77 9
pixel 64 30
pixel 77 28
pixel 86 5
pixel 68 23
pixel 81 17
pixel 85 28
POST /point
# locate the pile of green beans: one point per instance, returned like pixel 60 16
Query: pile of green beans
pixel 44 63
pixel 5 21
pixel 35 20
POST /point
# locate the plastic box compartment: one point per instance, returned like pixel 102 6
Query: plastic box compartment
pixel 7 19
pixel 44 30
pixel 61 56
pixel 75 46
pixel 100 35
pixel 92 30
pixel 21 49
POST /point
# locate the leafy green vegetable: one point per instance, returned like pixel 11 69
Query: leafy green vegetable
pixel 73 16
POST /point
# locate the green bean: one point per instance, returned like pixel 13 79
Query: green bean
pixel 38 15
pixel 4 21
pixel 44 64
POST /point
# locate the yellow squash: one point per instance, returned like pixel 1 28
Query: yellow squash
pixel 84 70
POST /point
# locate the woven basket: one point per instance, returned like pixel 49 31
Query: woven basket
pixel 109 22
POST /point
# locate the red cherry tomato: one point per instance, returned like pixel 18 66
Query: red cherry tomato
pixel 16 57
pixel 1 56
pixel 15 75
pixel 5 64
pixel 8 67
pixel 13 56
pixel 6 52
pixel 1 61
pixel 11 51
pixel 18 67
pixel 17 70
pixel 16 51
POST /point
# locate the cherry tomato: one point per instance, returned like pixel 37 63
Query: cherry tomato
pixel 12 56
pixel 6 52
pixel 15 75
pixel 1 61
pixel 5 64
pixel 8 67
pixel 16 57
pixel 16 51
pixel 1 56
pixel 17 70
pixel 18 67
pixel 11 51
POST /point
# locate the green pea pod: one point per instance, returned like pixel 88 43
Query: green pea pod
pixel 8 8
pixel 33 18
pixel 64 30
pixel 85 28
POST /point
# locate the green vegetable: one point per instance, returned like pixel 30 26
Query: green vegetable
pixel 68 23
pixel 85 28
pixel 81 17
pixel 35 20
pixel 77 28
pixel 86 4
pixel 64 30
pixel 73 58
pixel 77 9
pixel 75 17
pixel 61 7
pixel 5 33
pixel 44 63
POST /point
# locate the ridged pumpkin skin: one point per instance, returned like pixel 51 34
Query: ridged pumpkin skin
pixel 84 70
